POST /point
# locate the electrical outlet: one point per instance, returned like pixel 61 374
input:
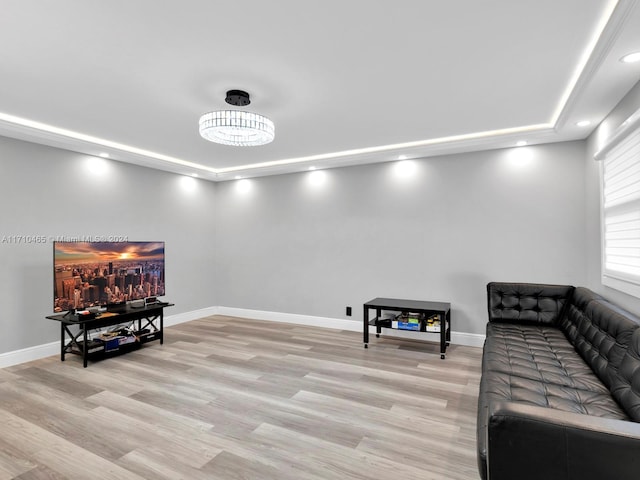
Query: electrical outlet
pixel 348 311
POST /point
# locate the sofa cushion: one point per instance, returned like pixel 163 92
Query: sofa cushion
pixel 503 386
pixel 526 302
pixel 599 331
pixel 626 385
pixel 537 353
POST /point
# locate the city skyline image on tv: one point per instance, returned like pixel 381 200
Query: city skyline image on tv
pixel 90 274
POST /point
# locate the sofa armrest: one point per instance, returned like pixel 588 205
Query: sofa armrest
pixel 528 442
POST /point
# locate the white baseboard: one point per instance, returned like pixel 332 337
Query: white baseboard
pixel 48 349
pixel 28 354
pixel 170 320
pixel 325 322
pixel 468 339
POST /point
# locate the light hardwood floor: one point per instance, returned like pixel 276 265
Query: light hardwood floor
pixel 229 398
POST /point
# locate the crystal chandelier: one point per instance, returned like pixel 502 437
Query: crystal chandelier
pixel 236 127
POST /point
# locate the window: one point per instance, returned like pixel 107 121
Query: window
pixel 621 208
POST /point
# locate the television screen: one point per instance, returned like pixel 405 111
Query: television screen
pixel 93 274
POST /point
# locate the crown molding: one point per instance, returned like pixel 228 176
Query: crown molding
pixel 629 126
pixel 608 33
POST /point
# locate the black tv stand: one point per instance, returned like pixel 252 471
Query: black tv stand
pixel 148 319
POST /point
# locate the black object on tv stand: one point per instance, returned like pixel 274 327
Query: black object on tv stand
pixel 152 315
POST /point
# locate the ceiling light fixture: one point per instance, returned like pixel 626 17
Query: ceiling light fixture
pixel 236 127
pixel 521 143
pixel 583 123
pixel 631 58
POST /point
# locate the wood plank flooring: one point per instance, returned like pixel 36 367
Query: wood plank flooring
pixel 230 398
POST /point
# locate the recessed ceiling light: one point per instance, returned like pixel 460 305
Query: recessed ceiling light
pixel 312 168
pixel 631 58
pixel 243 186
pixel 188 184
pixel 97 166
pixel 402 157
pixel 405 168
pixel 195 175
pixel 317 177
pixel 584 123
pixel 104 155
pixel 521 143
pixel 238 177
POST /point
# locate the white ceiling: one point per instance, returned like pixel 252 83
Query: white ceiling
pixel 346 82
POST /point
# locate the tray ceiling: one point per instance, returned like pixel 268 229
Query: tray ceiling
pixel 345 82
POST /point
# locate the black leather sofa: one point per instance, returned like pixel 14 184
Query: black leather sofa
pixel 560 388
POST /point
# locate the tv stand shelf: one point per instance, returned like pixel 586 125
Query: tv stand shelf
pixel 148 320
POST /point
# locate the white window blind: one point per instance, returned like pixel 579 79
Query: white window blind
pixel 621 211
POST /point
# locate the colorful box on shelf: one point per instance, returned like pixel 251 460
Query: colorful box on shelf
pixel 112 344
pixel 432 324
pixel 410 325
pixel 407 321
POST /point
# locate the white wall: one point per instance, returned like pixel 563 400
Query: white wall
pixel 629 104
pixel 458 222
pixel 49 192
pixel 289 245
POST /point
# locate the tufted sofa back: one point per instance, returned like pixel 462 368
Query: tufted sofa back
pixel 626 385
pixel 600 333
pixel 527 302
pixel 575 319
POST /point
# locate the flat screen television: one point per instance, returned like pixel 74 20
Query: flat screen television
pixel 97 274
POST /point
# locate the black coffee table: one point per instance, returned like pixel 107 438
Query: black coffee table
pixel 442 309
